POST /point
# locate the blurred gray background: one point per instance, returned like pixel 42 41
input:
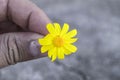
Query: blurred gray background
pixel 98 55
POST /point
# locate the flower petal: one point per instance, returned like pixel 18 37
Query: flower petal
pixel 70 47
pixel 57 28
pixel 51 52
pixel 46 48
pixel 48 36
pixel 54 57
pixel 64 29
pixel 50 28
pixel 67 52
pixel 71 34
pixel 71 40
pixel 60 53
pixel 44 41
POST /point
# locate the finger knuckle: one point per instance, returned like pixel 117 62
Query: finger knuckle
pixel 10 49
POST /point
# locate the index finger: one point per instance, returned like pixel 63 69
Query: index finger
pixel 27 15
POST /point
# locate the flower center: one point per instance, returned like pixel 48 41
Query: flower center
pixel 58 41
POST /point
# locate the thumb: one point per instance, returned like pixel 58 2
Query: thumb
pixel 18 47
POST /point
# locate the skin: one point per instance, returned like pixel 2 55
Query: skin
pixel 21 24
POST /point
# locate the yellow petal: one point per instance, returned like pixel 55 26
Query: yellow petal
pixel 70 47
pixel 45 48
pixel 60 53
pixel 54 57
pixel 71 34
pixel 44 41
pixel 64 29
pixel 51 52
pixel 67 52
pixel 50 28
pixel 71 40
pixel 57 28
pixel 48 36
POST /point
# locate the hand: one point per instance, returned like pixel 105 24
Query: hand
pixel 21 24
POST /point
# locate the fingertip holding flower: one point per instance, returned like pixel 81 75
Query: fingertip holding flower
pixel 58 42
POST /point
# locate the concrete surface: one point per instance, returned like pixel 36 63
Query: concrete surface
pixel 98 55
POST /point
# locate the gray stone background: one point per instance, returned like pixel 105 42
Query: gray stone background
pixel 98 55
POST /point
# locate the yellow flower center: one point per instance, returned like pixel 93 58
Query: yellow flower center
pixel 58 41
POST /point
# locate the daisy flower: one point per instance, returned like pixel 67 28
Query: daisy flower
pixel 58 42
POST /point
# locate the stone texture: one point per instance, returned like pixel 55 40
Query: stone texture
pixel 98 55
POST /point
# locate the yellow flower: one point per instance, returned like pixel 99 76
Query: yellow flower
pixel 58 42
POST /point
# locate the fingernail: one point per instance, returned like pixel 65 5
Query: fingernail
pixel 34 48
